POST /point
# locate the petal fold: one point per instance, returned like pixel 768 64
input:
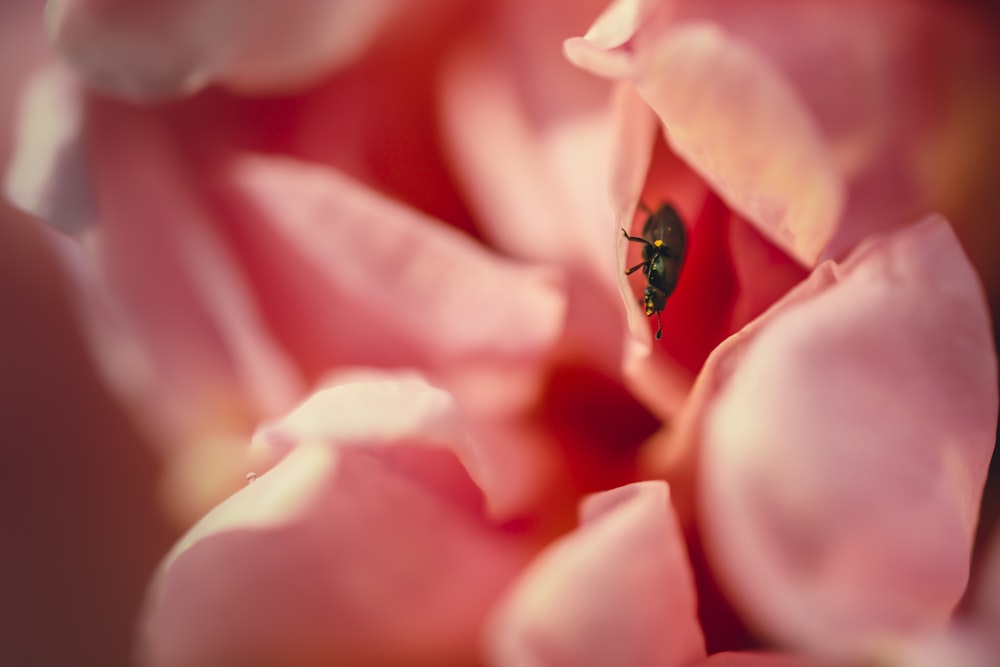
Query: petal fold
pixel 767 160
pixel 162 49
pixel 616 591
pixel 845 451
pixel 335 556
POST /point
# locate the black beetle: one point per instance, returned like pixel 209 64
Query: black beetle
pixel 664 240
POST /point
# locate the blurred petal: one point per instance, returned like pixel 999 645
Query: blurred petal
pixel 47 175
pixel 960 646
pixel 768 161
pixel 211 362
pixel 759 659
pixel 198 249
pixel 617 591
pixel 533 159
pixel 374 408
pixel 895 88
pixel 438 301
pixel 366 406
pixel 845 453
pixel 164 48
pixel 336 556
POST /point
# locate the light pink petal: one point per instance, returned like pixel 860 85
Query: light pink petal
pixel 973 638
pixel 380 284
pixel 617 591
pixel 533 158
pixel 532 155
pixel 759 659
pixel 366 405
pixel 373 408
pixel 198 252
pixel 333 557
pixel 209 361
pixel 768 159
pixel 23 50
pixel 862 113
pixel 165 48
pixel 895 88
pixel 961 645
pixel 742 127
pixel 480 327
pixel 47 173
pixel 846 449
pixel 597 51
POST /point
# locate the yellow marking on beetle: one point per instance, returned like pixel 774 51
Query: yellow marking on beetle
pixel 658 243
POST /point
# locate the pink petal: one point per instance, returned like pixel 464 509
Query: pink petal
pixel 883 83
pixel 47 175
pixel 971 639
pixel 371 408
pixel 533 159
pixel 23 50
pixel 332 557
pixel 837 113
pixel 962 646
pixel 759 659
pixel 439 302
pixel 207 361
pixel 166 48
pixel 598 51
pixel 846 449
pixel 367 405
pixel 768 161
pixel 189 274
pixel 539 182
pixel 480 327
pixel 617 591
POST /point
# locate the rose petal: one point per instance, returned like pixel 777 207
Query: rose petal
pixel 23 50
pixel 332 557
pixel 845 454
pixel 439 302
pixel 367 405
pixel 211 363
pixel 47 173
pixel 617 591
pixel 759 659
pixel 596 51
pixel 539 183
pixel 168 48
pixel 768 161
pixel 961 646
pixel 893 87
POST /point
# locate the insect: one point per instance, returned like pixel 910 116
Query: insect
pixel 664 242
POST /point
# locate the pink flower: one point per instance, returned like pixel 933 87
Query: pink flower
pixel 514 473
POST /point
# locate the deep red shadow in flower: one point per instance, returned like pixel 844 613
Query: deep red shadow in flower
pixel 722 626
pixel 597 425
pixel 697 316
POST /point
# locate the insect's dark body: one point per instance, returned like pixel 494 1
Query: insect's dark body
pixel 664 240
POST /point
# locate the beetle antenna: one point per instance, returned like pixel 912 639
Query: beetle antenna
pixel 659 327
pixel 645 209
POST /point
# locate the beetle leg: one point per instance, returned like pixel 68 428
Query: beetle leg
pixel 640 265
pixel 637 239
pixel 659 326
